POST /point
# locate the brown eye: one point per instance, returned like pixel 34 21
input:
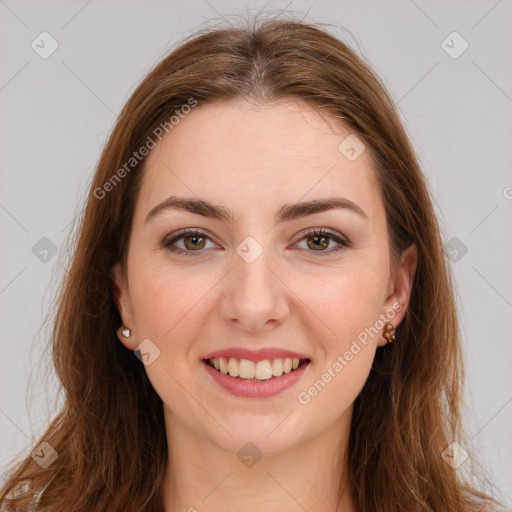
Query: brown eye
pixel 187 242
pixel 318 242
pixel 194 242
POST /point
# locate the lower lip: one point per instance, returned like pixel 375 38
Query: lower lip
pixel 255 389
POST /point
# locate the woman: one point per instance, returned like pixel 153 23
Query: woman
pixel 258 313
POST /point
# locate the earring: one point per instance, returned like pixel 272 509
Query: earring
pixel 389 333
pixel 126 332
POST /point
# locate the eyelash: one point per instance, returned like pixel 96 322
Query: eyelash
pixel 329 234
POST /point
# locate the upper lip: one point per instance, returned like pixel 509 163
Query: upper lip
pixel 255 355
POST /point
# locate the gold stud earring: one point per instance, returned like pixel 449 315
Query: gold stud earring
pixel 389 333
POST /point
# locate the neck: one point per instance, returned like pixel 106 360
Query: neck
pixel 202 476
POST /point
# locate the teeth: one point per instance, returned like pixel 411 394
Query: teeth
pixel 246 369
pixel 277 367
pixel 262 370
pixel 223 364
pixel 233 367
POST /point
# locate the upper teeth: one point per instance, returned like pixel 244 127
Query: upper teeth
pixel 261 370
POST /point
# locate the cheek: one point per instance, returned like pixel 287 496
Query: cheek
pixel 166 304
pixel 347 302
pixel 349 305
pixel 168 308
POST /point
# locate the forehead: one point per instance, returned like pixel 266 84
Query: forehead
pixel 253 155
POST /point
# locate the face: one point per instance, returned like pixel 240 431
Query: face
pixel 255 279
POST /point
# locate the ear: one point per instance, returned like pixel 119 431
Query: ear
pixel 121 296
pixel 400 287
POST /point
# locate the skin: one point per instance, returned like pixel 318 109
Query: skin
pixel 252 160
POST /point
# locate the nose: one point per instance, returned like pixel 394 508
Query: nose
pixel 254 298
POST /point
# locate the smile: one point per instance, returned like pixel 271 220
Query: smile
pixel 255 370
pixel 255 379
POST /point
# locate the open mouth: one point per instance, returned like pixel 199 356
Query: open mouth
pixel 256 371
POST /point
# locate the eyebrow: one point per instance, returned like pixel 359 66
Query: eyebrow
pixel 286 213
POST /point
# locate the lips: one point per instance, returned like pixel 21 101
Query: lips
pixel 254 388
pixel 262 364
pixel 255 373
pixel 255 355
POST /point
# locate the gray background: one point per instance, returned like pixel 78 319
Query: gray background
pixel 57 113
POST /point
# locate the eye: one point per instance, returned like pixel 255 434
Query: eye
pixel 319 240
pixel 193 241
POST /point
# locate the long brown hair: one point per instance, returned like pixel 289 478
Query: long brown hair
pixel 109 436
